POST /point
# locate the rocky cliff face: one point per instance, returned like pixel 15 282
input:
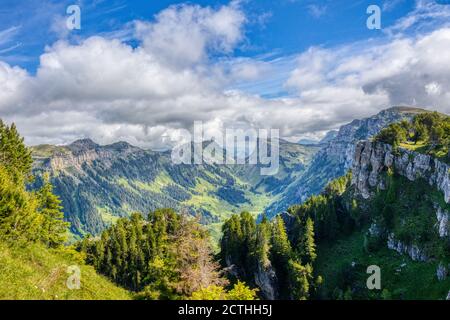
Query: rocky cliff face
pixel 372 159
pixel 266 280
pixel 264 277
pixel 337 156
pixel 86 152
pixel 442 222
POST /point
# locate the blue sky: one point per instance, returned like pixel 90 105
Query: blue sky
pixel 142 70
pixel 274 27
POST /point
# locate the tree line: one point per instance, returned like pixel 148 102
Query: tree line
pixel 251 248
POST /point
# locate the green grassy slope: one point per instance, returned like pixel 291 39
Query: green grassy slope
pixel 37 273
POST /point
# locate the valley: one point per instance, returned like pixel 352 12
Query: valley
pixel 99 184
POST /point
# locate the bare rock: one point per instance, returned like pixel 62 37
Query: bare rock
pixel 266 280
pixel 413 251
pixel 373 158
pixel 442 222
pixel 441 272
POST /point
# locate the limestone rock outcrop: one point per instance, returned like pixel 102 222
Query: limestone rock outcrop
pixel 413 251
pixel 373 158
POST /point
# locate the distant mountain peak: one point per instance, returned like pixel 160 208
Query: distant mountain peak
pixel 84 142
pixel 88 144
pixel 82 145
pixel 121 146
pixel 307 142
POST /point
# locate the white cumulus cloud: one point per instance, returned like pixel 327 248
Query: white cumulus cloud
pixel 108 90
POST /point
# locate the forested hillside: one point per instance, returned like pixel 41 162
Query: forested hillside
pixel 262 255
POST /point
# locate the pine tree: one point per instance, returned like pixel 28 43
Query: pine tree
pixel 300 280
pixel 24 215
pixel 281 247
pixel 247 248
pixel 19 221
pixel 231 242
pixel 263 243
pixel 309 246
pixel 53 228
pixel 280 254
pixel 14 155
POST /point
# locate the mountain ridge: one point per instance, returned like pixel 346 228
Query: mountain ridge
pixel 335 157
pixel 98 184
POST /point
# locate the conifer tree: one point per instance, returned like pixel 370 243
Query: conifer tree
pixel 14 155
pixel 24 215
pixel 309 246
pixel 19 220
pixel 300 280
pixel 281 247
pixel 53 228
pixel 263 243
pixel 247 246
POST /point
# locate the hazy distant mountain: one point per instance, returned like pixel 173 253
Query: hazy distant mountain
pixel 307 142
pixel 329 136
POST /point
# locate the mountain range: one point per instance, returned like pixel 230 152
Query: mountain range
pixel 98 184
